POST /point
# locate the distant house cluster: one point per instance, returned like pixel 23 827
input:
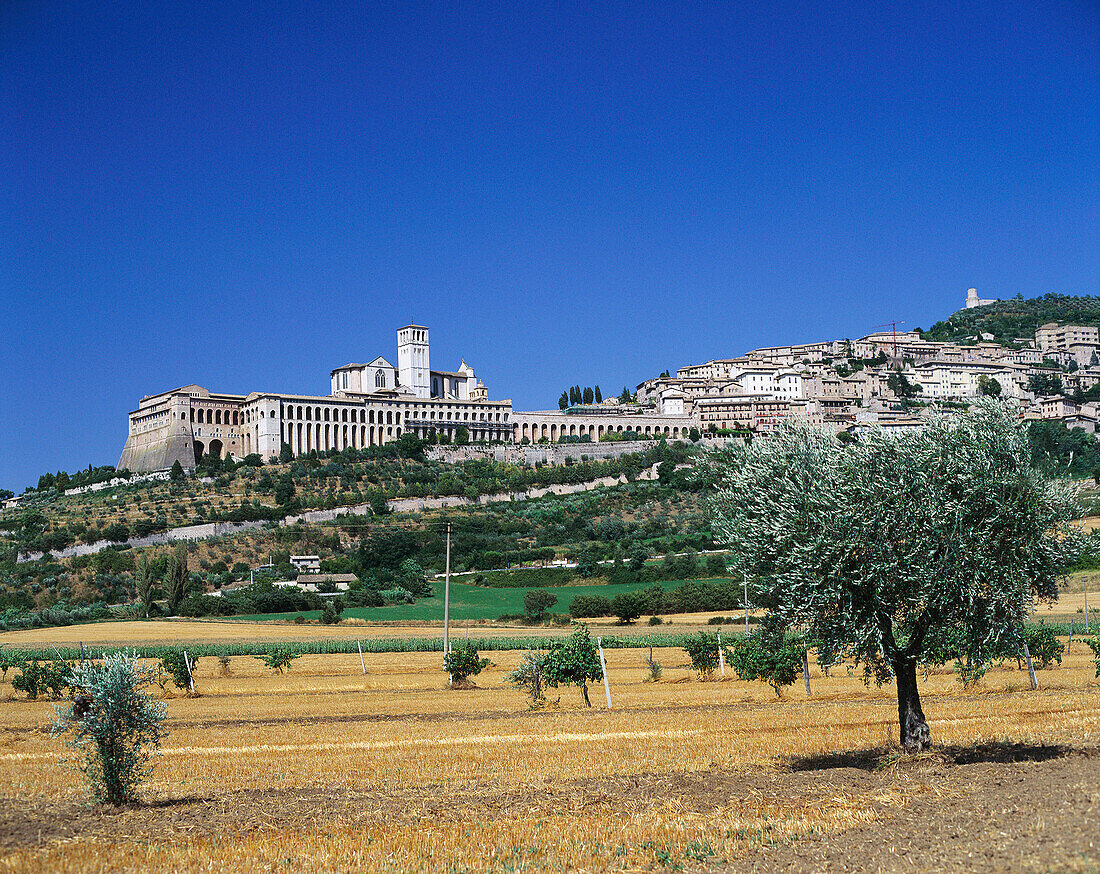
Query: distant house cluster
pixel 852 384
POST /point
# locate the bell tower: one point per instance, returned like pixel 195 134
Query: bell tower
pixel 413 365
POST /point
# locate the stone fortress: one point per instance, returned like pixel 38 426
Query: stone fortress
pixel 372 404
pixel 369 405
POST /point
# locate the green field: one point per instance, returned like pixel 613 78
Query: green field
pixel 468 602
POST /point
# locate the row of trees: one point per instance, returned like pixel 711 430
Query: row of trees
pixel 575 395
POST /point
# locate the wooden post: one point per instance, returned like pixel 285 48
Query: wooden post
pixel 806 671
pixel 1085 579
pixel 190 676
pixel 721 658
pixel 1030 668
pixel 363 663
pixel 447 596
pixel 1069 640
pixel 603 668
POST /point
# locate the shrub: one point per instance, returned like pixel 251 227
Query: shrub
pixel 113 724
pixel 585 606
pixel 628 606
pixel 656 620
pixel 1093 643
pixel 462 663
pixel 175 665
pixel 767 654
pixel 528 676
pixel 537 602
pixel 573 661
pixel 1044 645
pixel 278 658
pixel 43 678
pixel 702 649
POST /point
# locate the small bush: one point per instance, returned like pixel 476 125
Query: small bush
pixel 278 658
pixel 702 649
pixel 462 663
pixel 1044 645
pixel 528 676
pixel 656 620
pixel 43 678
pixel 176 668
pixel 113 725
pixel 768 654
pixel 587 606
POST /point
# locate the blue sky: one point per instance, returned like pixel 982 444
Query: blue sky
pixel 247 195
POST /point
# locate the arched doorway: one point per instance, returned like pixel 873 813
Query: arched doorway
pixel 198 451
pixel 215 448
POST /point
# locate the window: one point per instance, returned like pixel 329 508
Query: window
pixel 380 378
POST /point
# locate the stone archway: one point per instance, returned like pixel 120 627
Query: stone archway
pixel 215 448
pixel 199 448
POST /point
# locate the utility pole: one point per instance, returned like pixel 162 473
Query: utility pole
pixel 447 596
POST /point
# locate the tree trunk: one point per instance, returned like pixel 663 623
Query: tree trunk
pixel 584 690
pixel 915 735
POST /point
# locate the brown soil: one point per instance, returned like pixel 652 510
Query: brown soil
pixel 990 808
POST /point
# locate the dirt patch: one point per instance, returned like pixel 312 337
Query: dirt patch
pixel 995 807
pixel 992 808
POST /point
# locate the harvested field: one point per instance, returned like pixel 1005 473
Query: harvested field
pixel 327 768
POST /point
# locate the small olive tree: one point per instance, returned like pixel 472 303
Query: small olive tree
pixel 462 663
pixel 882 546
pixel 113 725
pixel 574 661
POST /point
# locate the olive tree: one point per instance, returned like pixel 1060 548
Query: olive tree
pixel 112 724
pixel 881 547
pixel 574 662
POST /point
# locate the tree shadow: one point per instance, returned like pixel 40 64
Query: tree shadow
pixel 877 758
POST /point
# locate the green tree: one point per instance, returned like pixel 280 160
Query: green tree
pixel 587 397
pixel 463 662
pixel 144 582
pixel 175 585
pixel 628 606
pixel 1040 384
pixel 702 649
pixel 113 724
pixel 536 602
pixel 882 547
pixel 176 474
pixel 574 662
pixel 597 395
pixel 284 490
pixel 900 385
pixel 768 654
pixel 462 435
pixel 988 386
pixel 563 401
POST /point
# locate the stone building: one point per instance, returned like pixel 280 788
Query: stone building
pixel 371 404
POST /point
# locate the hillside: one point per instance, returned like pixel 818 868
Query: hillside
pixel 643 518
pixel 1009 319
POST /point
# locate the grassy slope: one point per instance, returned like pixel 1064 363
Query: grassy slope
pixel 469 602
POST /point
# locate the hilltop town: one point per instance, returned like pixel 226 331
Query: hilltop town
pixel 889 378
pixel 886 379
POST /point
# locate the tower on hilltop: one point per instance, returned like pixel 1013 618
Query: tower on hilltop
pixel 413 366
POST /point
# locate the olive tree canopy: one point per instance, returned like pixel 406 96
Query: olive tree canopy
pixel 882 547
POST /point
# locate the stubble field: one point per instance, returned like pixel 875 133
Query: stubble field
pixel 326 768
